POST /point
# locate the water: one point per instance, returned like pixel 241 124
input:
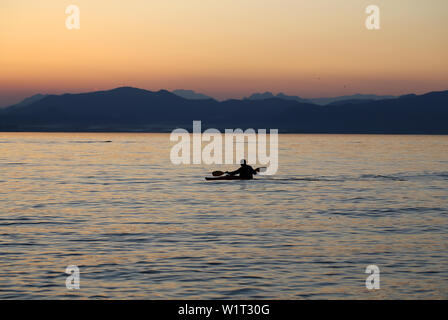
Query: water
pixel 139 227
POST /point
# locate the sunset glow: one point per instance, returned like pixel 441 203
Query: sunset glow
pixel 223 48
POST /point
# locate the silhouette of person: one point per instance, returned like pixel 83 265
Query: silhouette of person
pixel 245 171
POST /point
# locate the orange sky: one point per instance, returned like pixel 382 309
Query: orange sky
pixel 225 48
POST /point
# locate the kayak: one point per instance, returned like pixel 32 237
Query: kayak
pixel 224 178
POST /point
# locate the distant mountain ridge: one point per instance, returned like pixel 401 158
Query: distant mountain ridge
pixel 29 100
pixel 133 109
pixel 354 97
pixel 270 95
pixel 191 95
pixel 319 101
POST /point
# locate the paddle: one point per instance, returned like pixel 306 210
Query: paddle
pixel 220 173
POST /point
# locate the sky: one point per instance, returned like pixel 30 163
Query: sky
pixel 225 48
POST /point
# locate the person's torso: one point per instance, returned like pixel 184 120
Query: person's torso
pixel 246 172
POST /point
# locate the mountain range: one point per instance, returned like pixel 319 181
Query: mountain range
pixel 133 109
pixel 319 101
pixel 191 95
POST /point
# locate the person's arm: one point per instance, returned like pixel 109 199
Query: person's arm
pixel 253 171
pixel 232 173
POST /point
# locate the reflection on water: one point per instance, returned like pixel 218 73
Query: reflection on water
pixel 139 227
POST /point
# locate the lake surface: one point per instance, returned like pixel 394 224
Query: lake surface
pixel 139 227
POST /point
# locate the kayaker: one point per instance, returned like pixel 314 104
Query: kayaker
pixel 245 171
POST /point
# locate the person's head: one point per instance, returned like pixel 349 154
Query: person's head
pixel 243 162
